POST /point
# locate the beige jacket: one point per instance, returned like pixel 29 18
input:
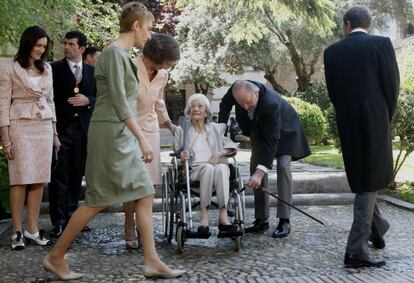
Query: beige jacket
pixel 215 138
pixel 150 103
pixel 20 99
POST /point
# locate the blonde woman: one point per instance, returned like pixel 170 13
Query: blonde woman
pixel 113 149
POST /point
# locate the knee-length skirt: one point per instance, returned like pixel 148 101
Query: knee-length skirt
pixel 114 171
pixel 32 144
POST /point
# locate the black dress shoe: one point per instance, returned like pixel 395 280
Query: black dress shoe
pixel 56 231
pixel 227 227
pixel 358 261
pixel 259 225
pixel 86 229
pixel 203 229
pixel 282 230
pixel 377 243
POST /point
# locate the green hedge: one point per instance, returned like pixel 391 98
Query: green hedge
pixel 332 127
pixel 313 121
pixel 316 93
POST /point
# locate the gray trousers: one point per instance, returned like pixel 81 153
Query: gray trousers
pixel 284 189
pixel 367 220
pixel 210 176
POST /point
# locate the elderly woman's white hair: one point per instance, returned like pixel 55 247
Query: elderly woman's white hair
pixel 203 100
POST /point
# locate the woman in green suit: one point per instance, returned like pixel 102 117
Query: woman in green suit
pixel 115 169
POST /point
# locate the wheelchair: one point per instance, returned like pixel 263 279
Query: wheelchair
pixel 180 196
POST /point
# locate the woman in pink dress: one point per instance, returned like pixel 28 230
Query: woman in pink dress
pixel 28 127
pixel 160 53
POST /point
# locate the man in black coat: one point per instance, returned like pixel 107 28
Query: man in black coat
pixel 74 95
pixel 363 84
pixel 275 131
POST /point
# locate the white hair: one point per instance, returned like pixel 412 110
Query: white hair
pixel 203 100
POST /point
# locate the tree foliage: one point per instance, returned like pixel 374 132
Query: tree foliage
pixel 273 35
pixel 55 16
pixel 165 13
pixel 202 49
pixel 98 20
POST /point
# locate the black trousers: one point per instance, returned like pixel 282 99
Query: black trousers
pixel 66 179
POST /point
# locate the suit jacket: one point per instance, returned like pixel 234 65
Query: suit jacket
pixel 63 85
pixel 20 99
pixel 150 102
pixel 363 83
pixel 215 138
pixel 275 130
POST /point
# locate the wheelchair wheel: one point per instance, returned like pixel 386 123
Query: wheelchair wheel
pixel 237 242
pixel 180 238
pixel 172 208
pixel 165 205
pixel 168 205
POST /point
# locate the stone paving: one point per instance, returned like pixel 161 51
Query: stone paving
pixel 312 253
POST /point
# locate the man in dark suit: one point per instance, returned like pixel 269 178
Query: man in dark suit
pixel 74 94
pixel 363 84
pixel 275 131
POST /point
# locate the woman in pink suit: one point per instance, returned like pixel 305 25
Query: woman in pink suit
pixel 160 53
pixel 27 122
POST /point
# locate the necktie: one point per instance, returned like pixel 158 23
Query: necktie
pixel 77 73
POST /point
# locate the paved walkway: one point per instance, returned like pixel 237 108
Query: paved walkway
pixel 312 253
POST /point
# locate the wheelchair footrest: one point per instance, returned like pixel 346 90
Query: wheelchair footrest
pixel 196 235
pixel 229 234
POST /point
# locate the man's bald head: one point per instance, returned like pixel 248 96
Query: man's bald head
pixel 246 94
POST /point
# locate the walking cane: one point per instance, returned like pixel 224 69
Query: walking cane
pixel 186 124
pixel 285 202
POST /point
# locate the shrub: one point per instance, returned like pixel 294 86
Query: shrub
pixel 403 126
pixel 313 121
pixel 316 93
pixel 332 127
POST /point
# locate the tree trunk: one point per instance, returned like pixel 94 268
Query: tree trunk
pixel 270 77
pixel 200 88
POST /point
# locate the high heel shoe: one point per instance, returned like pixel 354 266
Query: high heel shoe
pixel 150 272
pixel 37 238
pixel 131 245
pixel 62 276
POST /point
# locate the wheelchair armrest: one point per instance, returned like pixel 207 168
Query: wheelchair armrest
pixel 231 154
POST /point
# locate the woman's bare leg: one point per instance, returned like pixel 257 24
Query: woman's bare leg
pixel 17 195
pixel 143 212
pixel 129 227
pixel 34 199
pixel 82 216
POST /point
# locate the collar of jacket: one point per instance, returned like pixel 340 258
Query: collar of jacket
pixel 20 74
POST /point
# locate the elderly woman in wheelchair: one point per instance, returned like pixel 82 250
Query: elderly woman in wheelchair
pixel 207 152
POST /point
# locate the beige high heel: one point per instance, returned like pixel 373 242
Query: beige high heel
pixel 150 272
pixel 62 276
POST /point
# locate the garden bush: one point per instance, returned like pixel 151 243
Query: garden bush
pixel 332 127
pixel 313 121
pixel 316 93
pixel 403 126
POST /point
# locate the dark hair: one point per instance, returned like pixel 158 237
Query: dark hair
pixel 28 40
pixel 77 34
pixel 161 48
pixel 90 50
pixel 358 16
